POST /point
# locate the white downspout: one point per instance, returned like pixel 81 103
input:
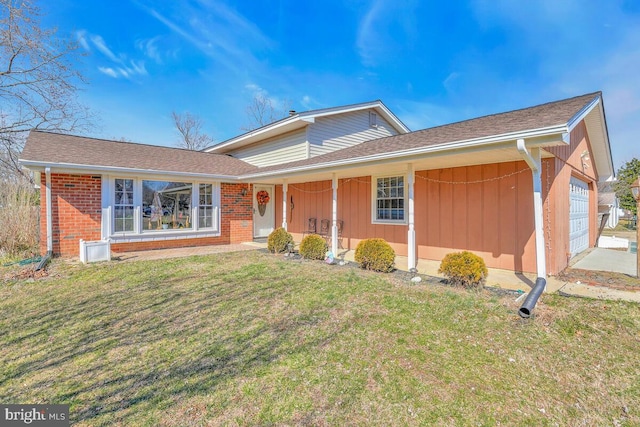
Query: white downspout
pixel 534 161
pixel 334 216
pixel 49 209
pixel 285 188
pixel 411 236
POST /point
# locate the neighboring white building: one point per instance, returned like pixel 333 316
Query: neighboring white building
pixel 609 203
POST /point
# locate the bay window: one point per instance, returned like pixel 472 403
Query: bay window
pixel 147 206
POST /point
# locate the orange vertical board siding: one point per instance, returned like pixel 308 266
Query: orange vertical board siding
pixel 475 200
pixel 575 160
pixel 508 214
pixel 491 215
pixel 460 207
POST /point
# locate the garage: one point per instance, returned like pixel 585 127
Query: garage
pixel 578 216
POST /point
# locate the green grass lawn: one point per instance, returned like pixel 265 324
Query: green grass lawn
pixel 255 339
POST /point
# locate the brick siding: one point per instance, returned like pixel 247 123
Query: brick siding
pixel 76 211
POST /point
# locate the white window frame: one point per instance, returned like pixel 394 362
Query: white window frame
pixel 138 234
pixel 115 203
pixel 374 200
pixel 215 211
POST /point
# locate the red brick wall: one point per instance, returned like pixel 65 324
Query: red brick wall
pixel 237 212
pixel 77 206
pixel 76 211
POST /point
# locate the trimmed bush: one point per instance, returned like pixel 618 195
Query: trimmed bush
pixel 376 255
pixel 313 247
pixel 464 269
pixel 278 240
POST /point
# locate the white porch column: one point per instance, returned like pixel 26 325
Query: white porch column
pixel 534 161
pixel 411 237
pixel 285 188
pixel 334 216
pixel 49 209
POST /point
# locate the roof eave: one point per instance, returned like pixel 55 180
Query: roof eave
pixel 547 136
pixel 38 166
pixel 301 120
pixel 598 135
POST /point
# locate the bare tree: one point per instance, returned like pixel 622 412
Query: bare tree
pixel 191 135
pixel 261 111
pixel 37 81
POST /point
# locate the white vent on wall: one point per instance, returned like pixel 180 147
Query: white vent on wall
pixel 373 119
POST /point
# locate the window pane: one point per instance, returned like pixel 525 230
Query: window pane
pixel 123 209
pixel 205 211
pixel 390 198
pixel 166 205
pixel 206 217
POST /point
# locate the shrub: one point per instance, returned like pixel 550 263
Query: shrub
pixel 376 255
pixel 278 240
pixel 19 224
pixel 464 269
pixel 313 247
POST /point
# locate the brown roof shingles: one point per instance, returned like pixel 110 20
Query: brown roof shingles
pixel 542 116
pixel 57 148
pixel 54 148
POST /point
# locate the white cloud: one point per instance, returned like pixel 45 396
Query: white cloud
pixel 109 72
pixel 150 48
pixel 82 39
pixel 218 31
pixel 385 28
pixel 100 44
pixel 119 65
pixel 450 82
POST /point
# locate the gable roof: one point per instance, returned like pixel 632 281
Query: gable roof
pixel 543 125
pixel 301 120
pixel 72 152
pixel 550 123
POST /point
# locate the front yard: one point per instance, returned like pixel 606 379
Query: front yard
pixel 250 338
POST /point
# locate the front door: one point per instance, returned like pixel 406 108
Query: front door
pixel 263 210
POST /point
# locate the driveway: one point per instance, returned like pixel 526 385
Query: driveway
pixel 600 259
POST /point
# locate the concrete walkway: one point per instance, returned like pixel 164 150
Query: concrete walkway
pixel 600 259
pixel 502 279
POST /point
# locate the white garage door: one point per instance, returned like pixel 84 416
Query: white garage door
pixel 578 216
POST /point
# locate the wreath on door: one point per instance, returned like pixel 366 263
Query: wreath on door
pixel 263 198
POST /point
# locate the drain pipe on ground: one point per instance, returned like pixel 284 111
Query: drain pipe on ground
pixel 534 161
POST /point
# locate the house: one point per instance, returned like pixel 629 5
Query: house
pixel 517 188
pixel 609 204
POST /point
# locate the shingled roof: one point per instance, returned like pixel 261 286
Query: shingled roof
pixel 69 150
pixel 43 148
pixel 547 115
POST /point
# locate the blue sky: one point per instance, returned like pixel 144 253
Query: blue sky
pixel 430 62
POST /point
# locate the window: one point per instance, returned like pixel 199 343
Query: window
pixel 166 205
pixel 123 207
pixel 389 199
pixel 205 215
pixel 142 206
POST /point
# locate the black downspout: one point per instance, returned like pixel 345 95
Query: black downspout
pixel 43 262
pixel 532 298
